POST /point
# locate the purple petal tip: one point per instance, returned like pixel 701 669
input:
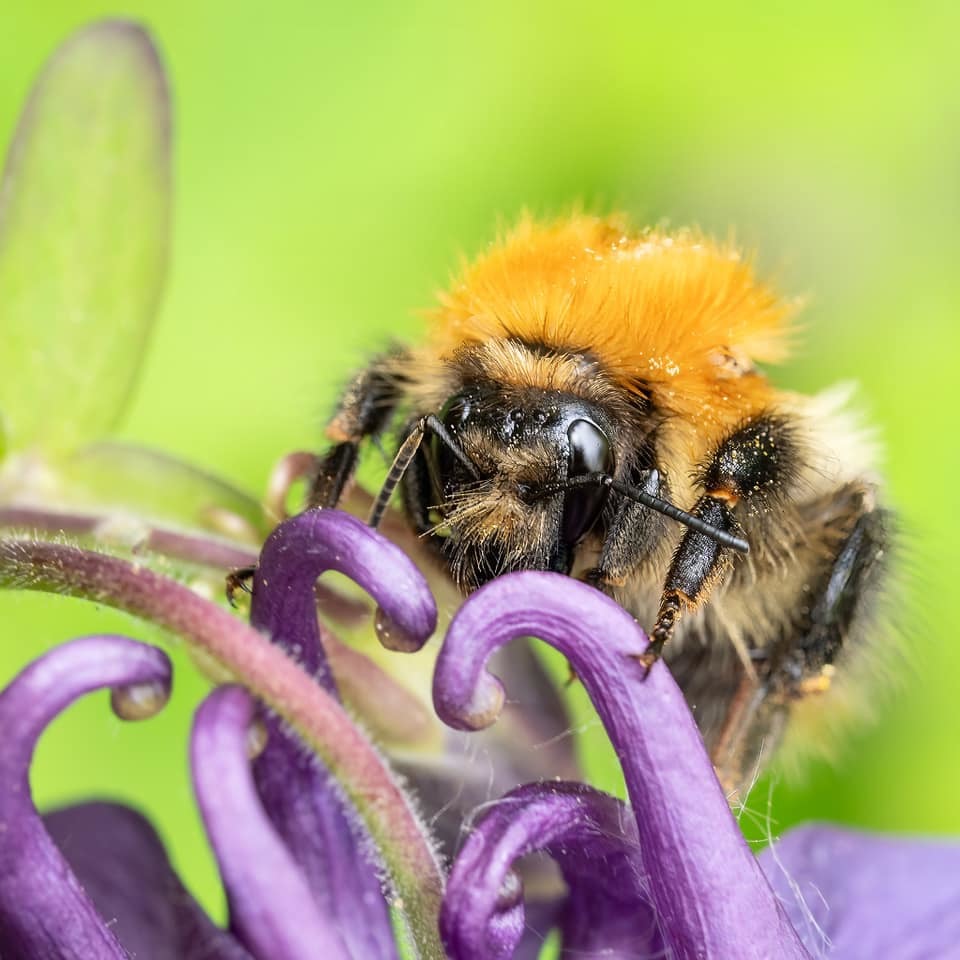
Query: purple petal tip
pixel 308 545
pixel 475 711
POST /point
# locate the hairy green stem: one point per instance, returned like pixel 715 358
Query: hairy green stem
pixel 201 551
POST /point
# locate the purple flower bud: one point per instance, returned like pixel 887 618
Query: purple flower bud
pixel 302 800
pixel 303 548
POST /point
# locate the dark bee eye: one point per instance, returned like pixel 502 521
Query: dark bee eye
pixel 589 453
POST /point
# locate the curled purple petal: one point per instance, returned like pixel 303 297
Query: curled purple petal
pixel 304 802
pixel 854 896
pixel 44 912
pixel 120 861
pixel 709 894
pixel 592 837
pixel 308 545
pixel 271 908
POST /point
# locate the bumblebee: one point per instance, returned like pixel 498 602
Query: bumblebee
pixel 587 400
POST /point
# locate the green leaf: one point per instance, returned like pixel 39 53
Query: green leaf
pixel 156 486
pixel 84 225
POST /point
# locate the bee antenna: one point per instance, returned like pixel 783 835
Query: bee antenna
pixel 681 516
pixel 665 507
pixel 408 450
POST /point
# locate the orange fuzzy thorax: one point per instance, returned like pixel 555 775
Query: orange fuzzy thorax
pixel 671 313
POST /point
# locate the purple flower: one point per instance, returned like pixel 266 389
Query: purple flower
pixel 305 834
pixel 321 848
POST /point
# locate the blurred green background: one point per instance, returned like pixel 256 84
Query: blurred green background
pixel 333 161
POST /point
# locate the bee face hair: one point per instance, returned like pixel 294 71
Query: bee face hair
pixel 521 439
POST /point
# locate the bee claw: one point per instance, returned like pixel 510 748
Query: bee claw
pixel 572 676
pixel 239 579
pixel 649 657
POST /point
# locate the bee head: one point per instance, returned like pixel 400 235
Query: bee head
pixel 520 442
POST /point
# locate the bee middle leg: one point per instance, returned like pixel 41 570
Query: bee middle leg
pixel 825 621
pixel 364 410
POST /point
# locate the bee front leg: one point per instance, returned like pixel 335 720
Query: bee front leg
pixel 364 411
pixel 698 564
pixel 749 471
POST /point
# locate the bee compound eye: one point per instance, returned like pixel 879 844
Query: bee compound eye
pixel 589 449
pixel 589 453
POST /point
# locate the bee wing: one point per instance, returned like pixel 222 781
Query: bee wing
pixel 84 223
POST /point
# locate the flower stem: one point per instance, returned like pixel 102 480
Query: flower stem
pixel 201 551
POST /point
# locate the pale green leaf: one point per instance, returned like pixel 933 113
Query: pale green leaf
pixel 84 223
pixel 159 487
